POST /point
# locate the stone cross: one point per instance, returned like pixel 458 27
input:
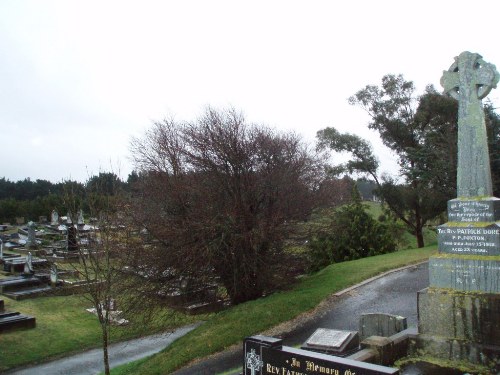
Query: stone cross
pixel 469 80
pixel 254 363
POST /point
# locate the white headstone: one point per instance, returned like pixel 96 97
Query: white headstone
pixel 80 218
pixel 54 218
pixel 53 274
pixel 28 266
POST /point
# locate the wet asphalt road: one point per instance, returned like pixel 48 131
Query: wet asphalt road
pixel 395 293
pixel 90 362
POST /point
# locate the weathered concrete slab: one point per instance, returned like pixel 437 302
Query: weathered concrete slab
pixel 462 273
pixel 474 240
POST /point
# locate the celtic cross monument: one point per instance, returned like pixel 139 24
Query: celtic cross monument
pixel 459 314
pixel 469 80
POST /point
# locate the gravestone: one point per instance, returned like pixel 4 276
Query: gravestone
pixel 31 242
pixel 267 355
pixel 28 266
pixel 72 240
pixel 461 308
pixel 54 277
pixel 80 221
pixel 54 218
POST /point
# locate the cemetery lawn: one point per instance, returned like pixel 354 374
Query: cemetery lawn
pixel 64 327
pixel 230 327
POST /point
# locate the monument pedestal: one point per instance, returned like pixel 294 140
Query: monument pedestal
pixel 472 317
pixel 459 314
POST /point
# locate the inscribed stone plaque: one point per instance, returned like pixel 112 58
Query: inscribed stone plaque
pixel 474 211
pixel 328 338
pixel 483 240
pixel 465 273
pixel 332 341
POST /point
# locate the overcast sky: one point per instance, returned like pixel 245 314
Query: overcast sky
pixel 80 78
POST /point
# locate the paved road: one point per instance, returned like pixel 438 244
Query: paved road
pixel 395 293
pixel 90 362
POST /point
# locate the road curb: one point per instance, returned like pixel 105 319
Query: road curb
pixel 367 281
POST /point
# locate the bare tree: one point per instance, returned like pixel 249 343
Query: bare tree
pixel 217 194
pixel 105 249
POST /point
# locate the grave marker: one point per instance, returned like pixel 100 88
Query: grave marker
pixel 31 242
pixel 54 218
pixel 266 355
pixel 332 341
pixel 470 79
pixel 28 266
pixel 458 314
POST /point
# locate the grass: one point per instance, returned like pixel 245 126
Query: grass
pixel 63 327
pixel 232 326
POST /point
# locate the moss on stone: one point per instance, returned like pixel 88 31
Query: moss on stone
pixel 462 366
pixel 486 258
pixel 478 198
pixel 459 224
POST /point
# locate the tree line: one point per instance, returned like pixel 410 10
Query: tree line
pixel 32 199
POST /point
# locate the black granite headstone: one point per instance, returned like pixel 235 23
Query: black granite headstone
pixel 266 355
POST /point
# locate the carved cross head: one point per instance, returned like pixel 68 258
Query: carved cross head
pixel 254 363
pixel 469 75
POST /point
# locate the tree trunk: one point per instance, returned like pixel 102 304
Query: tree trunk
pixel 420 237
pixel 105 350
pixel 419 226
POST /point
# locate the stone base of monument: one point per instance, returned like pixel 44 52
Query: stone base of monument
pixel 456 325
pixel 463 316
pixel 456 350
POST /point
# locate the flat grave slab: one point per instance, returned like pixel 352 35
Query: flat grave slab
pixel 28 292
pixel 332 341
pixel 14 320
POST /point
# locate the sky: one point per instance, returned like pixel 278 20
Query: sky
pixel 78 79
